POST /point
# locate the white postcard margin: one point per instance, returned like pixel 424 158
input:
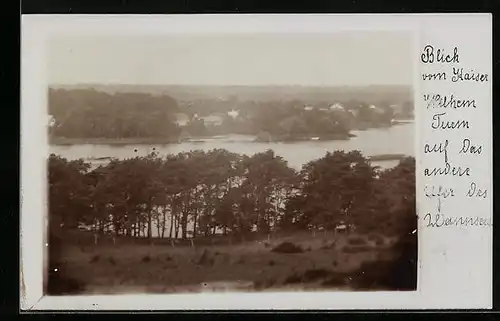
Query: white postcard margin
pixel 455 264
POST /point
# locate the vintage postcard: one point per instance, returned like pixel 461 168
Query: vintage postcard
pixel 324 162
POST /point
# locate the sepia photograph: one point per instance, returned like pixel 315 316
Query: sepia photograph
pixel 231 163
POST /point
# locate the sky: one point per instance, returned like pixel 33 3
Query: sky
pixel 342 59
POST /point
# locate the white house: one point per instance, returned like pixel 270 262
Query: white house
pixel 376 109
pixel 213 120
pixel 181 119
pixel 337 106
pixel 233 113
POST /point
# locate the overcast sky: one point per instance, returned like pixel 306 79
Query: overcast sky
pixel 363 58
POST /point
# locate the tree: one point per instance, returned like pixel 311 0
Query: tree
pixel 396 187
pixel 69 194
pixel 335 188
pixel 267 177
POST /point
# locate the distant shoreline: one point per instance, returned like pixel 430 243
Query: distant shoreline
pixel 63 141
pixel 386 157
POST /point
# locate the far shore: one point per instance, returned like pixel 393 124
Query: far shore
pixel 62 141
pixel 111 141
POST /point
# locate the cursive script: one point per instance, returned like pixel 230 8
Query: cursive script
pixel 448 101
pixel 470 75
pixel 441 220
pixel 449 117
pixel 431 55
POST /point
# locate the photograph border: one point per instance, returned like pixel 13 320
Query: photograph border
pixel 35 30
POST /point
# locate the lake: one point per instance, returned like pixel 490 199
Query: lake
pixel 397 139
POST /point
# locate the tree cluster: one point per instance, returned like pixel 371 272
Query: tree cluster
pixel 200 193
pixel 94 114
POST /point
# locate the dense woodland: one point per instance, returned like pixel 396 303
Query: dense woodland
pixel 218 192
pixel 87 113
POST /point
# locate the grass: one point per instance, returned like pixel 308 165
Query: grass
pixel 163 268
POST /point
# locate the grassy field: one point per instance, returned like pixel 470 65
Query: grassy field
pixel 319 263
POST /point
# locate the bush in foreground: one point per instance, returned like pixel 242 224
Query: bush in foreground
pixel 287 247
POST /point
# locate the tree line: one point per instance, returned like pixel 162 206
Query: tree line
pixel 87 113
pixel 199 193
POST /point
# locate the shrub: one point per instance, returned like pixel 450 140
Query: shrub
pixel 293 279
pixel 315 274
pixel 146 259
pixel 112 260
pixel 311 275
pixel 371 275
pixel 379 240
pixel 335 280
pixel 205 259
pixel 357 241
pixel 287 247
pixel 400 273
pixel 95 258
pixel 328 245
pixel 60 284
pixel 356 249
pixel 264 284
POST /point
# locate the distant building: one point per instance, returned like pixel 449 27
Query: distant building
pixel 376 109
pixel 233 113
pixel 212 120
pixel 308 108
pixel 337 107
pixel 181 119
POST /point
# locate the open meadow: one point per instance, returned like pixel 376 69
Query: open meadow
pixel 300 261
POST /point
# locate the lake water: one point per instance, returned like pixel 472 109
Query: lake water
pixel 398 139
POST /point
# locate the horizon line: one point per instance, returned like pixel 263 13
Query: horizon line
pixel 230 85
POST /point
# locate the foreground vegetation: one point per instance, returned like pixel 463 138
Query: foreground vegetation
pixel 192 218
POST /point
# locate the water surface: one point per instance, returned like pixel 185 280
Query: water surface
pixel 394 140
